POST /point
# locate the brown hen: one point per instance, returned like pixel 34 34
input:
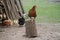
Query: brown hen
pixel 32 12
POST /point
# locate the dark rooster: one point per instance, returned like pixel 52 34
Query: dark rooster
pixel 32 12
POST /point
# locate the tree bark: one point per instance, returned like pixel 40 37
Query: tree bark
pixel 31 28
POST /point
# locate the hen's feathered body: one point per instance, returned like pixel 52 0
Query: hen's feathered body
pixel 32 12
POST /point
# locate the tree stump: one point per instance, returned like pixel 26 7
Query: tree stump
pixel 31 30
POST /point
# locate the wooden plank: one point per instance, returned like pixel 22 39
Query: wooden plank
pixel 17 16
pixel 11 9
pixel 5 6
pixel 19 7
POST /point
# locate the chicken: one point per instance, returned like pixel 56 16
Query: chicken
pixel 32 12
pixel 7 22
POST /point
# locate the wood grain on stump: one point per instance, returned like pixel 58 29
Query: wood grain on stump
pixel 30 28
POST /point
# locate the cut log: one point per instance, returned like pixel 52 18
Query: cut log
pixel 31 30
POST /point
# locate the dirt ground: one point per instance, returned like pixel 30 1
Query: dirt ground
pixel 46 31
